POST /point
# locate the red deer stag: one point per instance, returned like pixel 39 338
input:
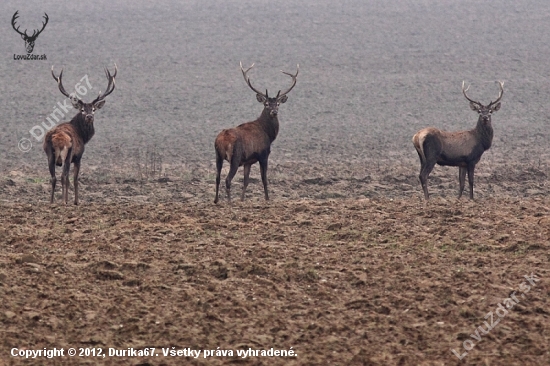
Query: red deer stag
pixel 462 149
pixel 64 144
pixel 250 142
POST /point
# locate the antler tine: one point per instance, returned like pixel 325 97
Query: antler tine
pixel 43 25
pixel 110 77
pixel 247 79
pixel 108 73
pixel 293 76
pixel 501 85
pixel 60 83
pixel 464 92
pixel 13 19
pixel 110 85
pixel 245 71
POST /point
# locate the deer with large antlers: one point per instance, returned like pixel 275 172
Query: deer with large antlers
pixel 29 40
pixel 64 144
pixel 250 142
pixel 462 149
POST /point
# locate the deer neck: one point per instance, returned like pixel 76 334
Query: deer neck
pixel 269 124
pixel 84 129
pixel 484 131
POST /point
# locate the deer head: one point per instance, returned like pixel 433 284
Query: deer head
pixel 484 111
pixel 271 104
pixel 29 40
pixel 87 109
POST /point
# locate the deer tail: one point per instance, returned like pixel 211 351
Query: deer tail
pixel 418 141
pixel 61 143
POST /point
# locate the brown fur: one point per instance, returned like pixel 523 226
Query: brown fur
pixel 246 145
pixel 250 142
pixel 64 144
pixel 462 148
pixel 61 142
pixel 251 139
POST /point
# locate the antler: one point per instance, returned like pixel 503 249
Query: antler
pixel 247 79
pixel 501 84
pixel 37 32
pixel 293 80
pixel 13 19
pixel 464 92
pixel 110 85
pixel 60 83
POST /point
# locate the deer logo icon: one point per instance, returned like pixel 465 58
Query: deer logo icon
pixel 29 40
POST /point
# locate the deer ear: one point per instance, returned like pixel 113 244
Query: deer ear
pixel 283 99
pixel 77 103
pixel 496 107
pixel 260 98
pixel 474 107
pixel 99 104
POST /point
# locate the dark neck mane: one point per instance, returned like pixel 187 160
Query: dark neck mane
pixel 269 124
pixel 84 129
pixel 484 131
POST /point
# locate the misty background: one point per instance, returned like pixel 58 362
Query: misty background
pixel 372 73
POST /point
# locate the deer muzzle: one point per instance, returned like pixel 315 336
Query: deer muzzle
pixel 29 46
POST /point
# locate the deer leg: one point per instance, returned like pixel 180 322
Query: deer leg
pixel 53 180
pixel 75 172
pixel 219 165
pixel 230 175
pixel 245 182
pixel 461 180
pixel 425 171
pixel 471 180
pixel 65 179
pixel 263 172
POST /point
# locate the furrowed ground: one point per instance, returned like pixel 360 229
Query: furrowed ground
pixel 344 282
